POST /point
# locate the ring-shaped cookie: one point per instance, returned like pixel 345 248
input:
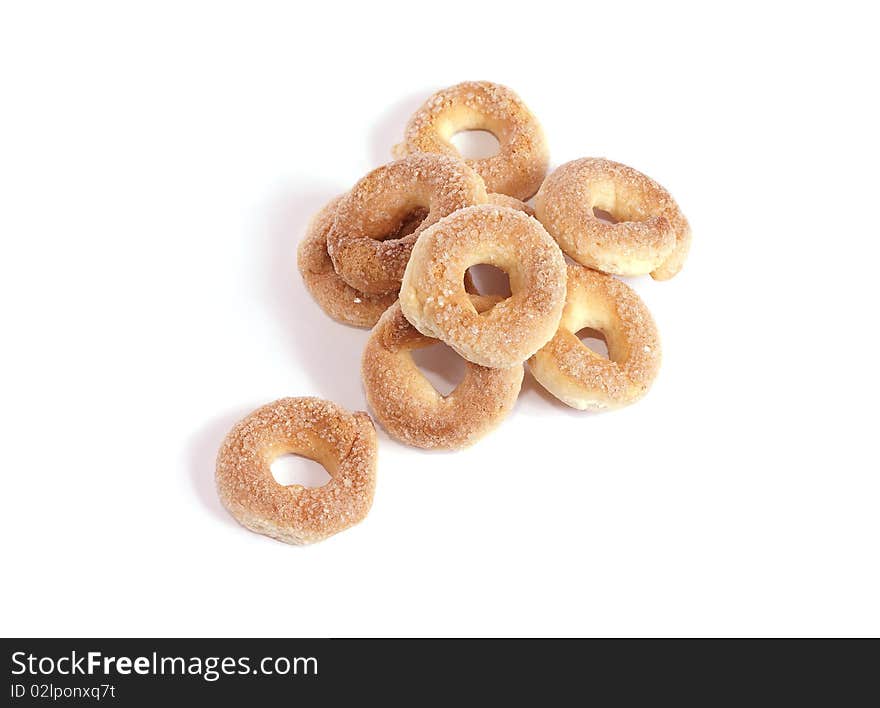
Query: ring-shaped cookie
pixel 411 409
pixel 364 242
pixel 344 443
pixel 434 300
pixel 521 163
pixel 650 235
pixel 578 376
pixel 336 297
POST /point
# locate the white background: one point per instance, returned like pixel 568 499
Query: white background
pixel 157 168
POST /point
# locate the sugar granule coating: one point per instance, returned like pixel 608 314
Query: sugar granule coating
pixel 434 300
pixel 651 236
pixel 366 243
pixel 510 202
pixel 344 443
pixel 410 408
pixel 336 297
pixel 578 376
pixel 521 163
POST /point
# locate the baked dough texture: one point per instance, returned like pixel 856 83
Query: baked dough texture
pixel 521 163
pixel 651 234
pixel 337 298
pixel 433 296
pixel 578 376
pixel 510 202
pixel 411 409
pixel 364 242
pixel 344 443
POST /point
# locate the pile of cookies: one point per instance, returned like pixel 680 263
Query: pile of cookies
pixel 394 253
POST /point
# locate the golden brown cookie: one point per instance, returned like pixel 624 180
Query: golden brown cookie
pixel 521 163
pixel 650 235
pixel 434 300
pixel 575 374
pixel 344 443
pixel 410 408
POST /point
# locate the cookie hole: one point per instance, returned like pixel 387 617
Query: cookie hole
pixel 409 223
pixel 490 280
pixel 605 216
pixel 443 368
pixel 593 340
pixel 475 144
pixel 296 469
pixel 412 221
